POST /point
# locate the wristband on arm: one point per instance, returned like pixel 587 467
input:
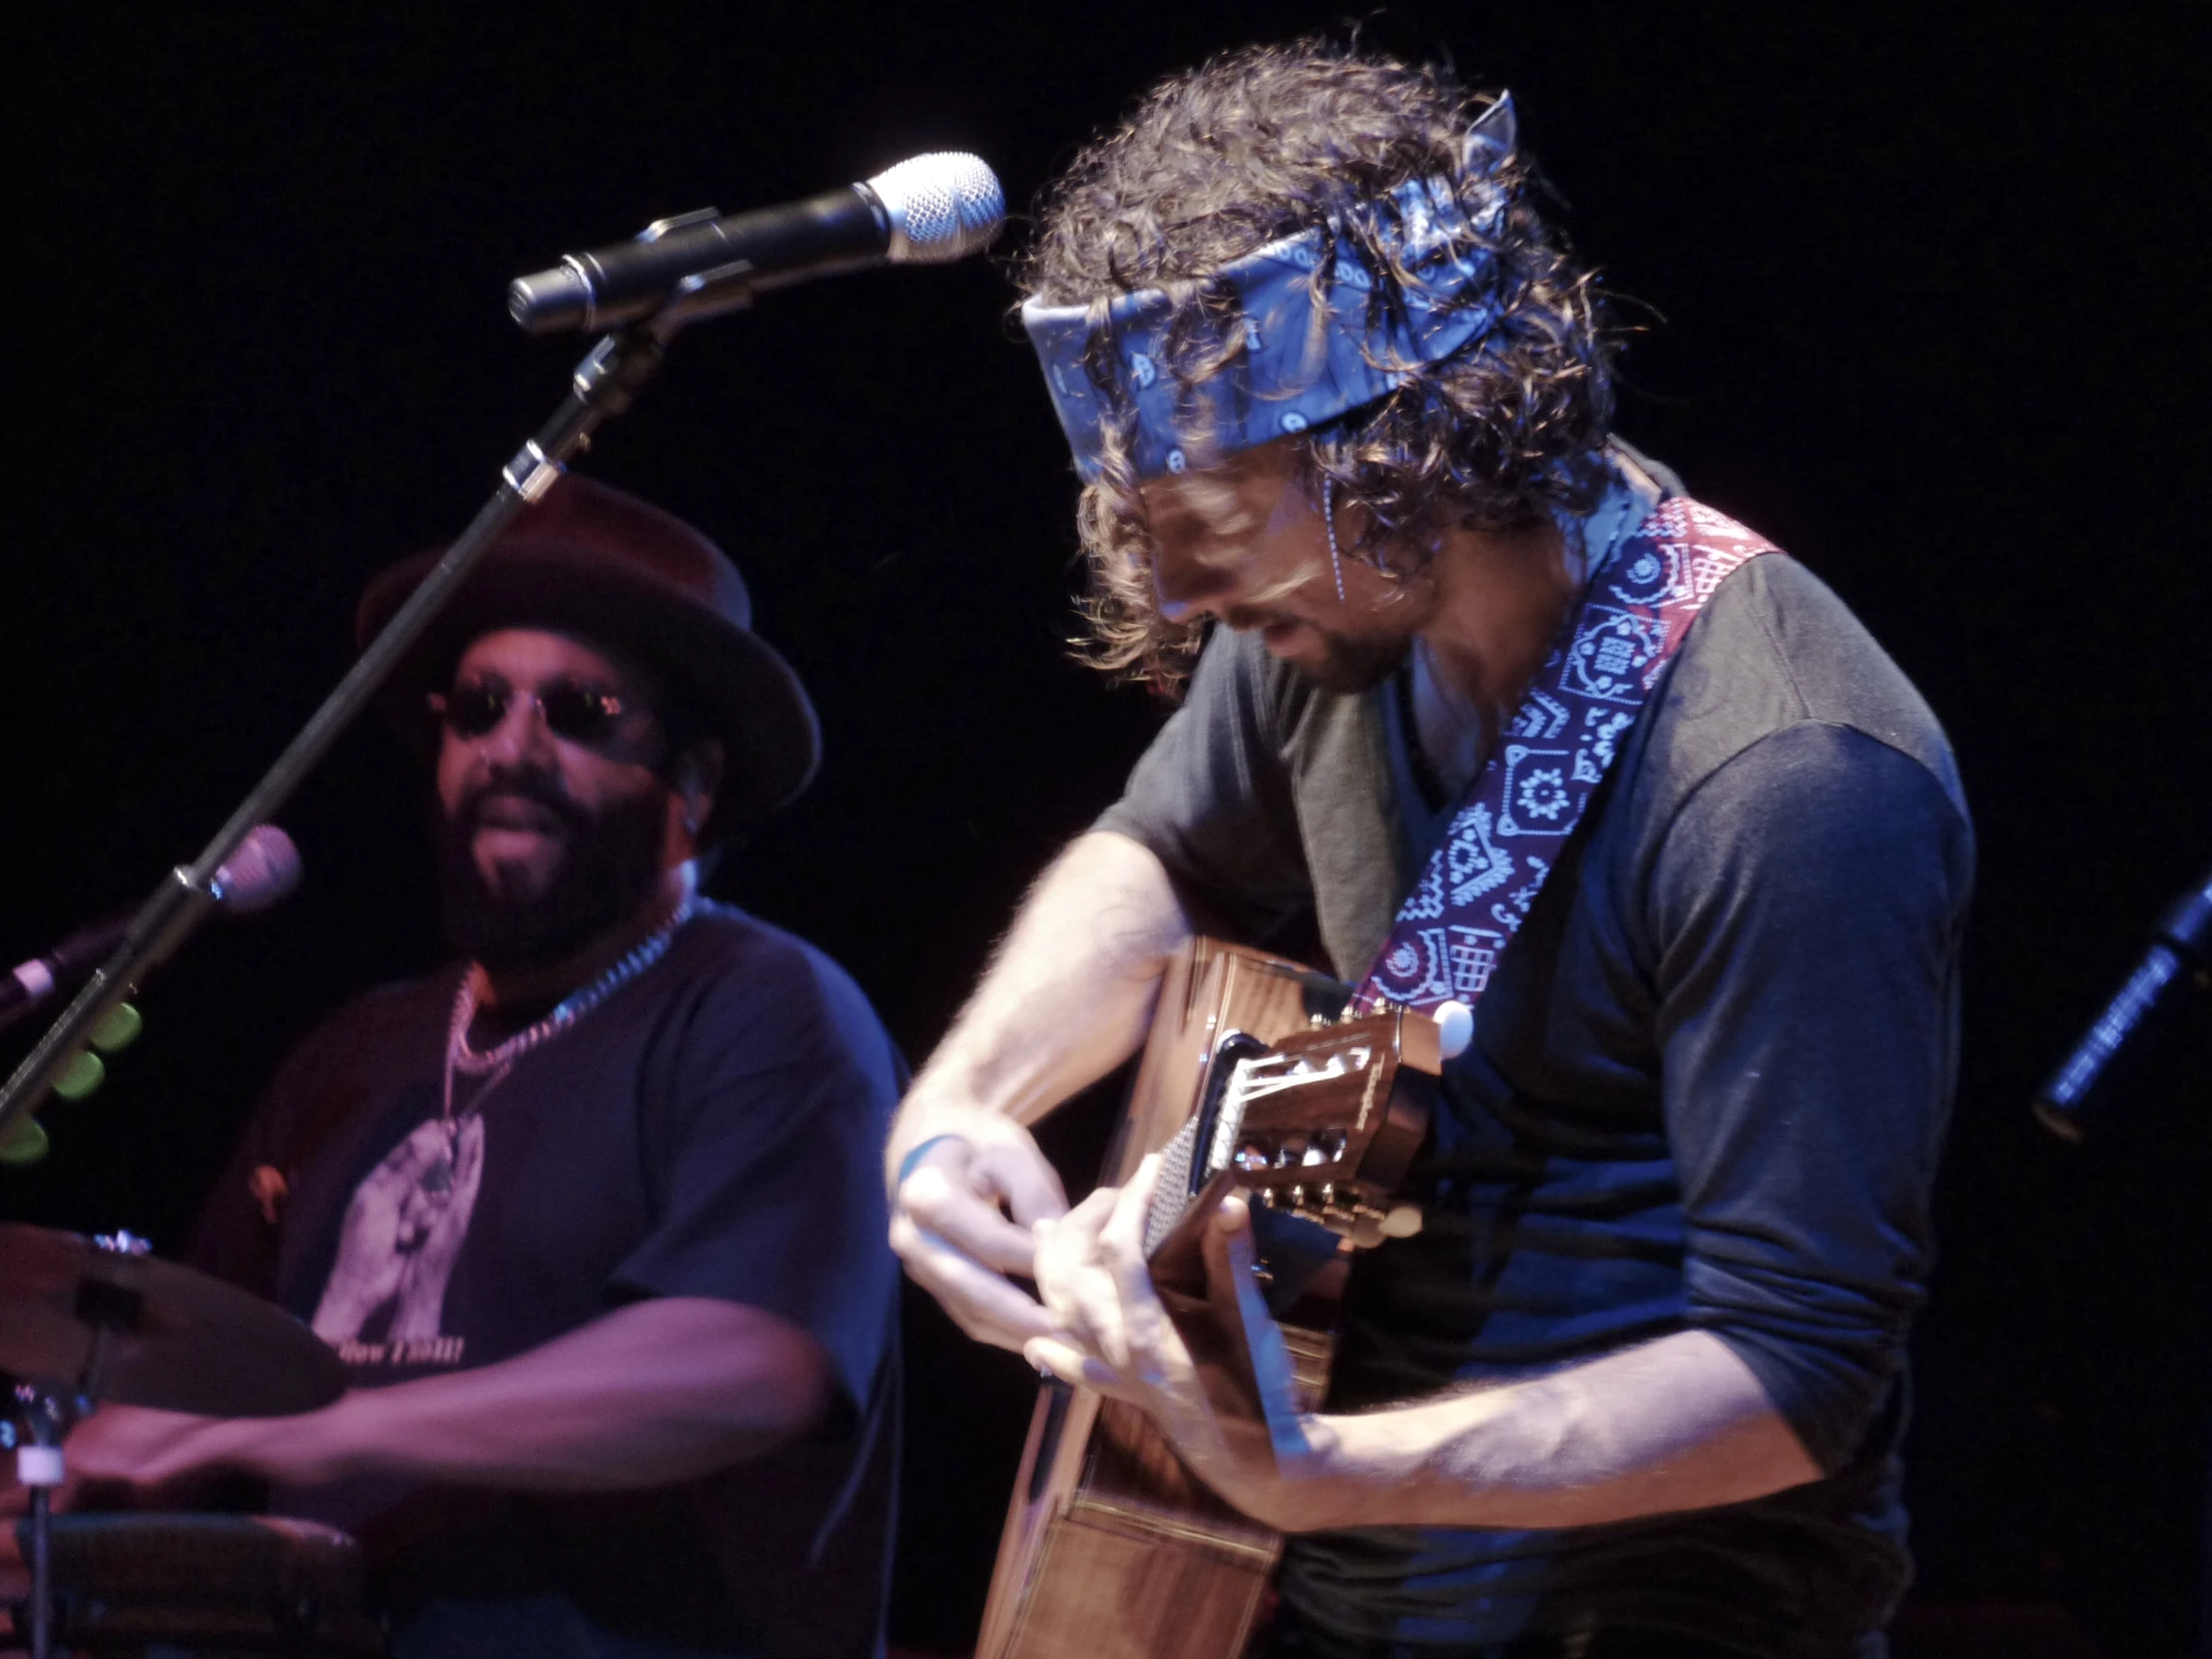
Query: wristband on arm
pixel 915 1156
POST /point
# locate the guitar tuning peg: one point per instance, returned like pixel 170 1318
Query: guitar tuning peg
pixel 25 1144
pixel 1403 1222
pixel 1454 1028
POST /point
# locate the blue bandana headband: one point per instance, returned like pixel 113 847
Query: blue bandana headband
pixel 1311 351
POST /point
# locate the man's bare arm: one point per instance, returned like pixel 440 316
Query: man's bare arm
pixel 1676 1424
pixel 656 1392
pixel 1680 1423
pixel 1065 1000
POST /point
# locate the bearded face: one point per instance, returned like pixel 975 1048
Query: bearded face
pixel 508 914
pixel 554 819
pixel 1332 660
pixel 1245 541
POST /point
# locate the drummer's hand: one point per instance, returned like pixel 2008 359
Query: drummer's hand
pixel 94 1457
pixel 148 1447
pixel 949 1227
pixel 138 1444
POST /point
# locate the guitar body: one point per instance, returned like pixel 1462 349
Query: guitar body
pixel 1112 1550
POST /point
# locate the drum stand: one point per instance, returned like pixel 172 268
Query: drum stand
pixel 45 1412
pixel 603 386
pixel 42 1421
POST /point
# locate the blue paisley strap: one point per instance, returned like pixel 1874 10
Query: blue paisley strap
pixel 1524 804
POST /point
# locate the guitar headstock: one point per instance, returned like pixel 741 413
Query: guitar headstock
pixel 1320 1126
pixel 1326 1123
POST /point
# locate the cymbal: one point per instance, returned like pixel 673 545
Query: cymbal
pixel 167 1335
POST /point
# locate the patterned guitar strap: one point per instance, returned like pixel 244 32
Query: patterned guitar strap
pixel 1532 792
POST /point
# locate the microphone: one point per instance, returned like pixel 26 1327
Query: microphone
pixel 262 872
pixel 925 211
pixel 2181 947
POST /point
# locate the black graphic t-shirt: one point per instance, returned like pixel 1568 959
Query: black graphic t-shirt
pixel 713 1129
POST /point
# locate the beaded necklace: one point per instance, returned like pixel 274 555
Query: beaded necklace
pixel 493 1064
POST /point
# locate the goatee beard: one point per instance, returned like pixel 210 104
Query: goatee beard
pixel 610 862
pixel 1348 663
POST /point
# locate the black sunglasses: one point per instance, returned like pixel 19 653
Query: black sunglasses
pixel 577 711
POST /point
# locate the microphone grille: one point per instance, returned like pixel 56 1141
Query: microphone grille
pixel 262 872
pixel 942 205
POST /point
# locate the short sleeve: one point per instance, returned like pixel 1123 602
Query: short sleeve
pixel 1211 798
pixel 1809 899
pixel 314 1099
pixel 768 1110
pixel 232 1238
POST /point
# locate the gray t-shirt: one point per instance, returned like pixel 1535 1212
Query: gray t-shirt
pixel 1708 1088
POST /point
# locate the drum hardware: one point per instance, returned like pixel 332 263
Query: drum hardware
pixel 215 1586
pixel 84 1320
pixel 42 1418
pixel 45 1413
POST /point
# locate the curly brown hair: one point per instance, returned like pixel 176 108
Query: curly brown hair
pixel 1269 142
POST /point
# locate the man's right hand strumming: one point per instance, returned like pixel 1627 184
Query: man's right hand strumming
pixel 1068 999
pixel 948 1227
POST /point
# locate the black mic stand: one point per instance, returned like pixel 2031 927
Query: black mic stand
pixel 2080 1092
pixel 605 383
pixel 2180 953
pixel 603 386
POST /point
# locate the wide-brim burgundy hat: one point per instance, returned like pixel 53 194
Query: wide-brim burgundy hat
pixel 591 560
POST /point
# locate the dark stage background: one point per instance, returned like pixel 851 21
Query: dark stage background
pixel 1923 303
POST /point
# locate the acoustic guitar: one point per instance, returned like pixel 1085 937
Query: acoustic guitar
pixel 1252 1080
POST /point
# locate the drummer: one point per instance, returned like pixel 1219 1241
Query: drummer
pixel 592 1216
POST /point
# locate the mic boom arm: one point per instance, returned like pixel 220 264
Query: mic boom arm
pixel 932 207
pixel 604 385
pixel 928 210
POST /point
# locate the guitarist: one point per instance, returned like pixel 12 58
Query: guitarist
pixel 1492 710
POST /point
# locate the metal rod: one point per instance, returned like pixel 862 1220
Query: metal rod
pixel 605 383
pixel 42 1571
